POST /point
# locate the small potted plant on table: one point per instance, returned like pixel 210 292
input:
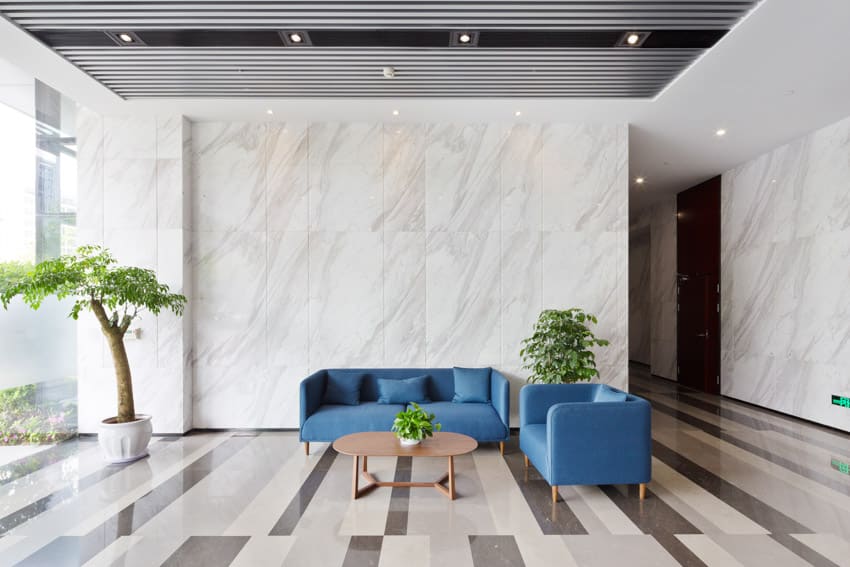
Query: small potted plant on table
pixel 116 295
pixel 414 424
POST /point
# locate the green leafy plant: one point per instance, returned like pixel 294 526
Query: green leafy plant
pixel 414 423
pixel 559 351
pixel 13 272
pixel 115 294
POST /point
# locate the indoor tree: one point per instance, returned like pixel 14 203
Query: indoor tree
pixel 115 294
pixel 559 351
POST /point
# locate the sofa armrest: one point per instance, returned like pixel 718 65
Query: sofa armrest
pixel 311 391
pixel 536 399
pixel 592 439
pixel 500 396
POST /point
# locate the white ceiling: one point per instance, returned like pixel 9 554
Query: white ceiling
pixel 782 72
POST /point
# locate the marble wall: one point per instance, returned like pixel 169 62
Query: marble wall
pixel 662 285
pixel 134 198
pixel 381 245
pixel 785 257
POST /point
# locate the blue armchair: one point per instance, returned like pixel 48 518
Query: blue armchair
pixel 585 434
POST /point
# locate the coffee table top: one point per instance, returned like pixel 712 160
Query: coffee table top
pixel 385 444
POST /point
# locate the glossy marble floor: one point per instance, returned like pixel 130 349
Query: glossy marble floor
pixel 732 485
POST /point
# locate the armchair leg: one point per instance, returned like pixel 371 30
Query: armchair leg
pixel 642 490
pixel 306 447
pixel 525 458
pixel 502 448
pixel 554 494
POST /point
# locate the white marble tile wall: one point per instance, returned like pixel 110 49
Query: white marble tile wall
pixel 639 295
pixel 134 199
pixel 397 244
pixel 662 278
pixel 785 269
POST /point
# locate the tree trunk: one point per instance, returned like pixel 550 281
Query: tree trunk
pixel 115 336
pixel 124 381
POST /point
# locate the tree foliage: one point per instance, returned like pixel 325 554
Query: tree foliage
pixel 559 351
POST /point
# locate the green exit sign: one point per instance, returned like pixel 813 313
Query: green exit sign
pixel 842 401
pixel 840 466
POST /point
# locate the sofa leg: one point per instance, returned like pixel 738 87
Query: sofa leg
pixel 502 448
pixel 554 494
pixel 306 447
pixel 525 458
pixel 642 490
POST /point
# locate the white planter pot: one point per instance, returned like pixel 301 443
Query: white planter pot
pixel 125 442
pixel 409 442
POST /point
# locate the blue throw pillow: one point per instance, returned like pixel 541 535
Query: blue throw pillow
pixel 472 385
pixel 391 391
pixel 343 388
pixel 609 394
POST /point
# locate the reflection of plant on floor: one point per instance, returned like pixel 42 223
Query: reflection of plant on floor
pixel 23 420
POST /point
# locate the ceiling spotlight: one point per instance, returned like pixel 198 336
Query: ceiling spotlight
pixel 395 112
pixel 640 180
pixel 518 113
pixel 125 38
pixel 632 39
pixel 270 111
pixel 389 72
pixel 464 39
pixel 720 132
pixel 295 38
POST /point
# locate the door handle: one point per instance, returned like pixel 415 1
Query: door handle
pixel 705 334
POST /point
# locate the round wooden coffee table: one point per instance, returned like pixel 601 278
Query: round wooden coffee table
pixel 385 444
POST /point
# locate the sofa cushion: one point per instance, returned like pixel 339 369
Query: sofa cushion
pixel 532 442
pixel 479 421
pixel 608 394
pixel 333 421
pixel 392 391
pixel 342 388
pixel 472 385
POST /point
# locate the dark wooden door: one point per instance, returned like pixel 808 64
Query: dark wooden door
pixel 698 300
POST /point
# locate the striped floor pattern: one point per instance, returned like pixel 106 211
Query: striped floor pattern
pixel 733 485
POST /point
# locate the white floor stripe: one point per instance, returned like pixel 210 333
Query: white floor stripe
pixel 544 551
pixel 113 552
pixel 8 541
pixel 708 551
pixel 406 551
pixel 368 515
pixel 508 507
pixel 614 520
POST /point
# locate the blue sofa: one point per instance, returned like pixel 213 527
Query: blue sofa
pixel 585 434
pixel 325 423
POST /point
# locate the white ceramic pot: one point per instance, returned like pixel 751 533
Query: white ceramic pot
pixel 409 442
pixel 125 442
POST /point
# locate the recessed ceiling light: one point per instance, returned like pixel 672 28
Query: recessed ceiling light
pixel 389 72
pixel 464 39
pixel 720 132
pixel 295 38
pixel 270 111
pixel 395 112
pixel 518 113
pixel 125 37
pixel 632 39
pixel 640 180
pixel 773 180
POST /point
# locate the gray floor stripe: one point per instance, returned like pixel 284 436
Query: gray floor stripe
pixel 207 551
pixel 363 551
pixel 495 551
pixel 290 517
pixel 30 511
pixel 399 499
pixel 135 515
pixel 553 518
pixel 28 465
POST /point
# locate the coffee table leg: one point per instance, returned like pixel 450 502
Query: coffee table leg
pixel 364 462
pixel 354 477
pixel 451 478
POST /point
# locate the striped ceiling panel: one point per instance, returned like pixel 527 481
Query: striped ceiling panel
pixel 195 49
